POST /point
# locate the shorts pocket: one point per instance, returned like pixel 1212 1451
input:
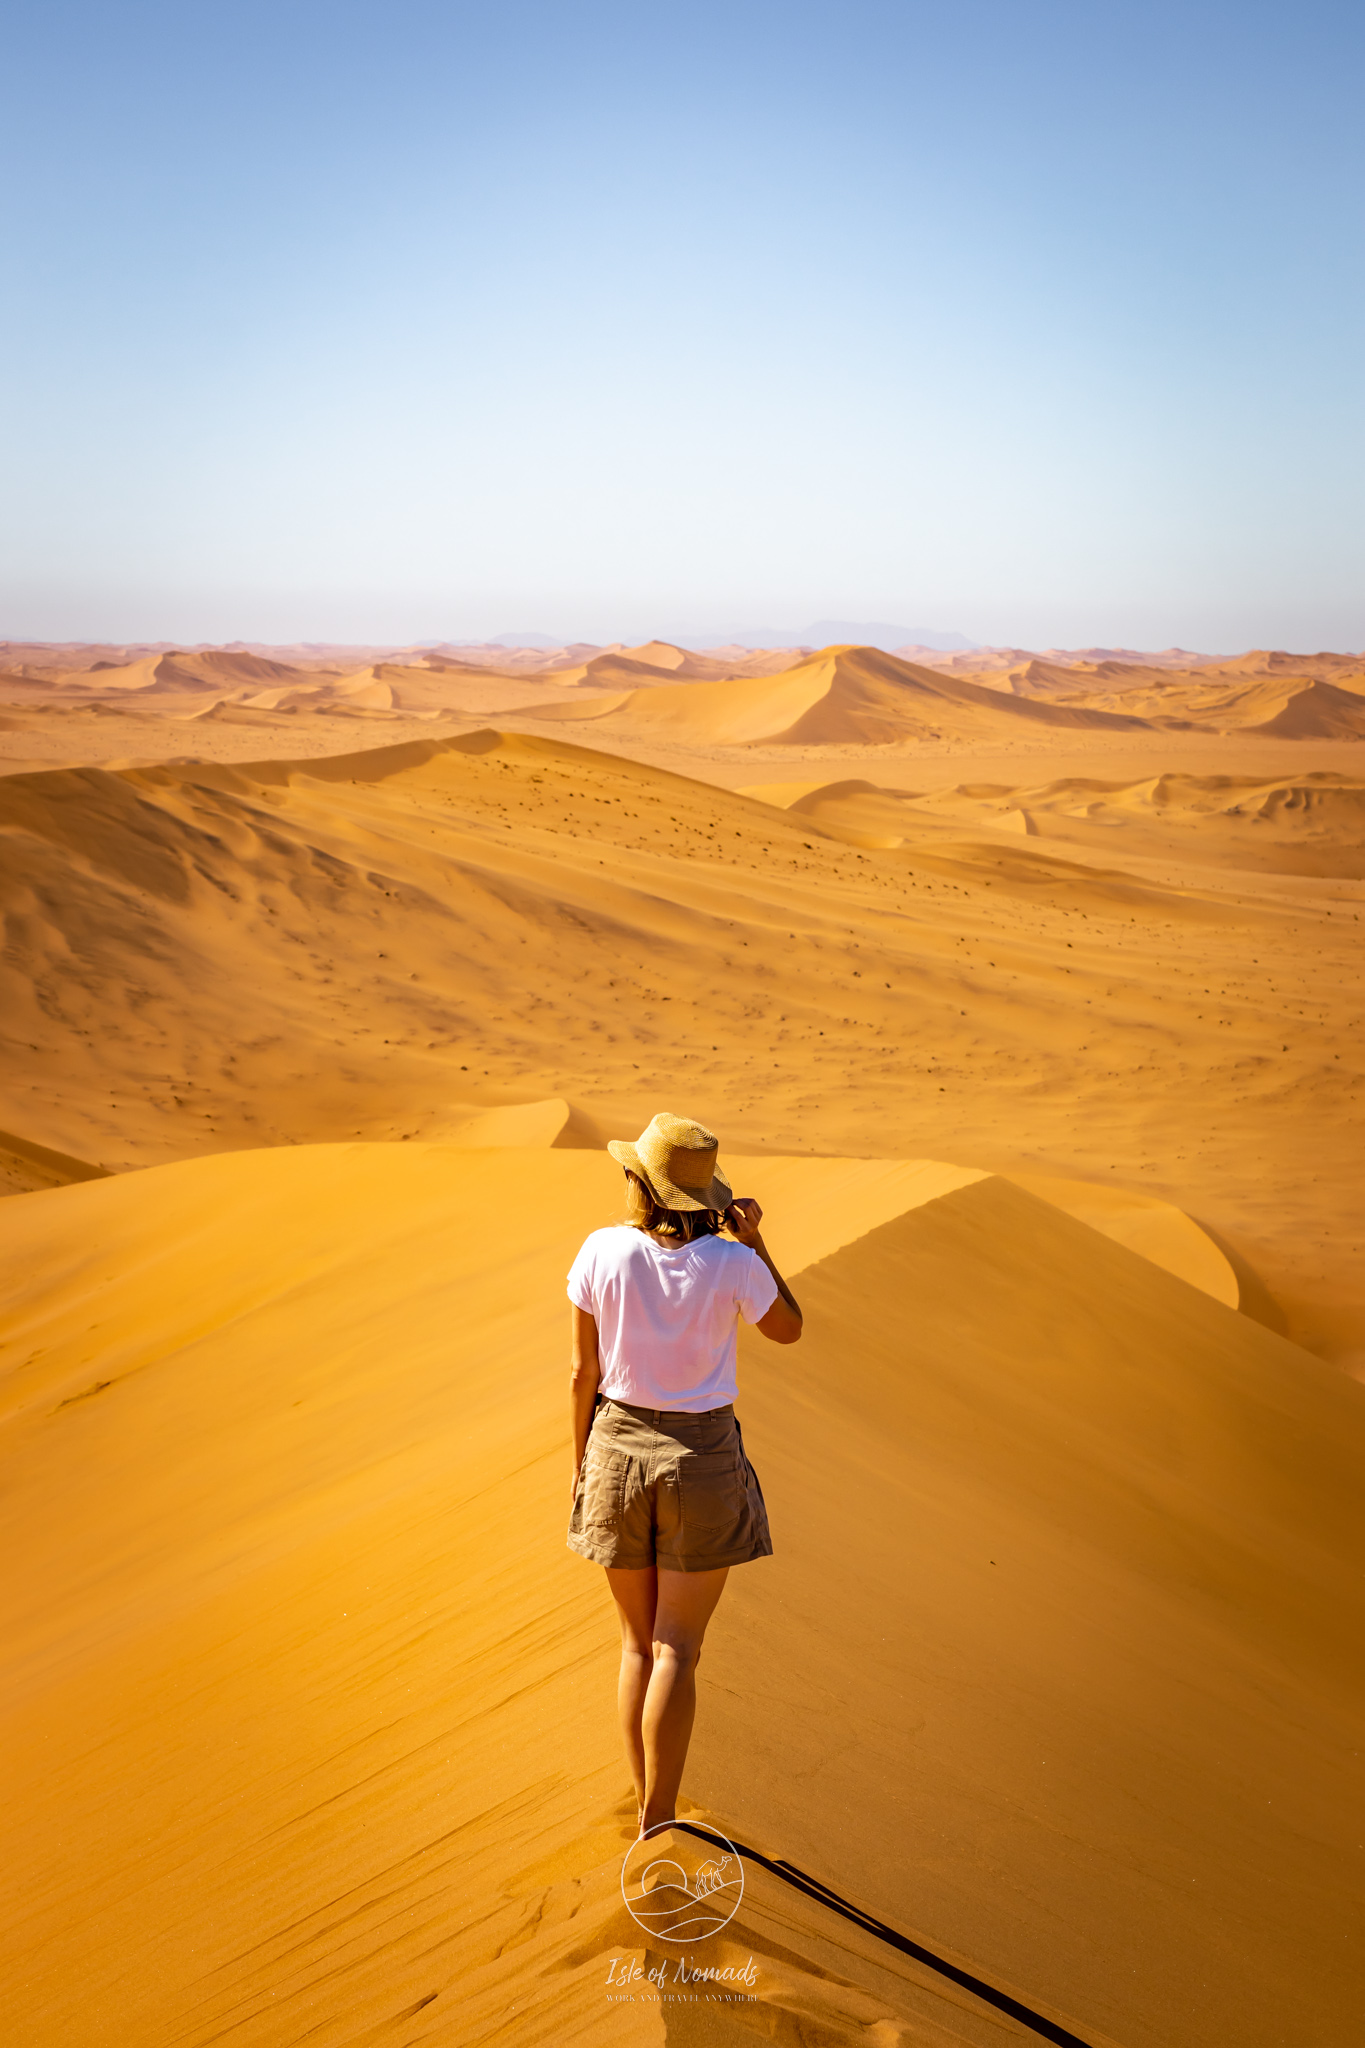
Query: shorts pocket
pixel 601 1490
pixel 713 1499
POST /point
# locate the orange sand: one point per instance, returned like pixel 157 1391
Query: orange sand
pixel 1056 1665
pixel 433 930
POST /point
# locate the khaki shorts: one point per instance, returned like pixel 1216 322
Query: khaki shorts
pixel 660 1488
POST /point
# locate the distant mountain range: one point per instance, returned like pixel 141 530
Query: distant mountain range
pixel 820 633
pixel 859 632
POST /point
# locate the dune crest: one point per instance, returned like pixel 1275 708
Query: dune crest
pixel 1024 988
pixel 840 696
pixel 298 1530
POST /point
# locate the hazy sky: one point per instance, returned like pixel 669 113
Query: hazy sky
pixel 1040 322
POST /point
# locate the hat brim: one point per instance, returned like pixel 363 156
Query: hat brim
pixel 718 1196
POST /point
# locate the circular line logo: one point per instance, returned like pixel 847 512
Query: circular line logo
pixel 682 1889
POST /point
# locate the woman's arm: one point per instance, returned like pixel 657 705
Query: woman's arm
pixel 783 1321
pixel 585 1371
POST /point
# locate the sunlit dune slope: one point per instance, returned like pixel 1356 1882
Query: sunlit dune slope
pixel 658 663
pixel 1311 824
pixel 842 695
pixel 421 690
pixel 1155 1230
pixel 1280 697
pixel 388 944
pixel 1056 1666
pixel 178 674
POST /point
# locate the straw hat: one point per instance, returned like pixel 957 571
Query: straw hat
pixel 677 1159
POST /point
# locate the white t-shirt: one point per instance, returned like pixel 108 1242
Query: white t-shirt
pixel 668 1316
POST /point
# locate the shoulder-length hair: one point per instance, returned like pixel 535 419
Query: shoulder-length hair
pixel 644 1211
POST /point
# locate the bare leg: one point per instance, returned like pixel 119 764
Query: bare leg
pixel 686 1601
pixel 635 1594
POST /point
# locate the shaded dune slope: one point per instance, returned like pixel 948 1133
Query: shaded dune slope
pixel 1321 711
pixel 299 1638
pixel 844 695
pixel 1123 1552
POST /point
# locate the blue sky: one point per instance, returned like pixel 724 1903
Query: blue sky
pixel 1041 323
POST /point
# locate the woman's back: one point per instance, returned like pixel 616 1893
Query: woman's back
pixel 667 1314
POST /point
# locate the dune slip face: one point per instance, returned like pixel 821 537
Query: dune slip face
pixel 397 942
pixel 308 1707
pixel 1094 1503
pixel 860 695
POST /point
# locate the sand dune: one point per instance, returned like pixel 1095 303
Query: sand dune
pixel 421 689
pixel 434 686
pixel 1280 696
pixel 1155 1570
pixel 1154 1230
pixel 386 944
pixel 179 674
pixel 1267 661
pixel 308 1712
pixel 1306 825
pixel 1256 661
pixel 664 697
pixel 842 695
pixel 308 1708
pixel 659 662
pixel 1318 712
pixel 982 660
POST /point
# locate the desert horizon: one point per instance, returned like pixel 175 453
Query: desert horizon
pixel 682 1027
pixel 1027 1000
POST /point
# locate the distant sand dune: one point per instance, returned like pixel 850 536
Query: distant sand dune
pixel 1058 1664
pixel 659 696
pixel 844 695
pixel 398 942
pixel 1322 711
pixel 1306 825
pixel 179 674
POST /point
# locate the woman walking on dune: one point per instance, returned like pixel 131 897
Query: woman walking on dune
pixel 663 1494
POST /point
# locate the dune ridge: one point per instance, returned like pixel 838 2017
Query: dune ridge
pixel 311 1036
pixel 353 1731
pixel 660 694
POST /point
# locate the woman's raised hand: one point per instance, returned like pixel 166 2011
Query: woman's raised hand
pixel 743 1218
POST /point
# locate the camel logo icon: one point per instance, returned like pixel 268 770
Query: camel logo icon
pixel 682 1884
